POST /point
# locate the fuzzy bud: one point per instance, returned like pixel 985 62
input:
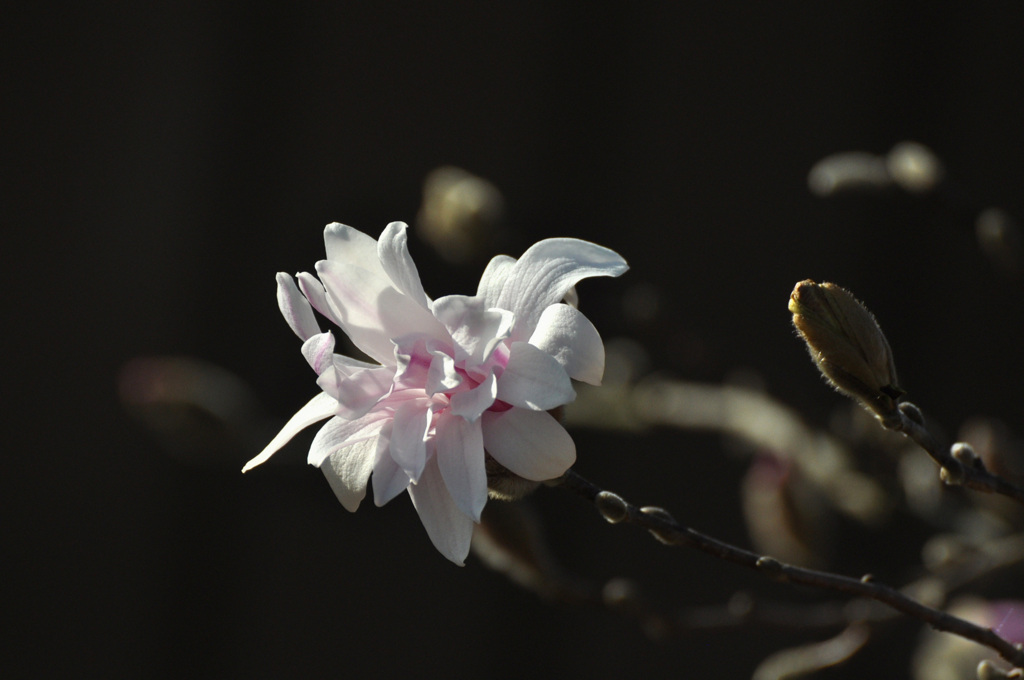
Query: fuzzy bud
pixel 848 346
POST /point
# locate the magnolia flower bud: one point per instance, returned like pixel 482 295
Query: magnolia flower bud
pixel 848 346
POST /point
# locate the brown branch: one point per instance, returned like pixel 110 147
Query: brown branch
pixel 665 528
pixel 960 466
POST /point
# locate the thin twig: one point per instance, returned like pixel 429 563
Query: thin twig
pixel 665 528
pixel 964 470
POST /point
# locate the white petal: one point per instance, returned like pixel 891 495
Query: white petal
pixel 347 245
pixel 348 473
pixel 319 407
pixel 346 453
pixel 442 376
pixel 471 403
pixel 448 528
pixel 319 351
pixel 409 437
pixel 415 355
pixel 372 312
pixel 358 391
pixel 315 293
pixel 529 443
pixel 546 272
pixel 475 329
pixel 338 433
pixel 295 308
pixel 568 336
pixel 493 279
pixel 534 379
pixel 393 252
pixel 388 478
pixel 460 457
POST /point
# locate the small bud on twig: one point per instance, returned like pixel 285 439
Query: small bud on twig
pixel 964 453
pixel 848 346
pixel 611 506
pixel 663 514
pixel 912 411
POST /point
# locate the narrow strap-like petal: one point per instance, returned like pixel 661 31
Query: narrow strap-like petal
pixel 529 443
pixel 372 311
pixel 448 528
pixel 357 391
pixel 393 252
pixel 475 329
pixel 319 407
pixel 459 447
pixel 345 451
pixel 493 279
pixel 295 308
pixel 472 403
pixel 568 336
pixel 315 293
pixel 546 272
pixel 348 473
pixel 348 245
pixel 388 478
pixel 319 351
pixel 338 433
pixel 534 379
pixel 409 436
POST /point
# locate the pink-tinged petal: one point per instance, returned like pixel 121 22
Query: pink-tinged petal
pixel 442 376
pixel 475 329
pixel 349 366
pixel 409 437
pixel 319 407
pixel 372 312
pixel 460 457
pixel 413 359
pixel 471 403
pixel 546 272
pixel 534 379
pixel 345 451
pixel 568 336
pixel 315 293
pixel 295 308
pixel 359 390
pixel 388 478
pixel 393 252
pixel 347 245
pixel 529 443
pixel 319 351
pixel 338 433
pixel 493 279
pixel 448 528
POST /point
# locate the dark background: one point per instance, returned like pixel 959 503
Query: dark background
pixel 163 161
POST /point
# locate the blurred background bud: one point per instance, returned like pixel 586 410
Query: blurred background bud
pixel 848 346
pixel 509 540
pixel 461 215
pixel 914 167
pixel 200 413
pixel 940 656
pixel 1002 454
pixel 848 171
pixel 786 518
pixel 910 166
pixel 999 238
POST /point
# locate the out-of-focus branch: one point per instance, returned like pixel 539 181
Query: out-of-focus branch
pixel 665 528
pixel 741 412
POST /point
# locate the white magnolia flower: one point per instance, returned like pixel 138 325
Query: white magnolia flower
pixel 455 376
